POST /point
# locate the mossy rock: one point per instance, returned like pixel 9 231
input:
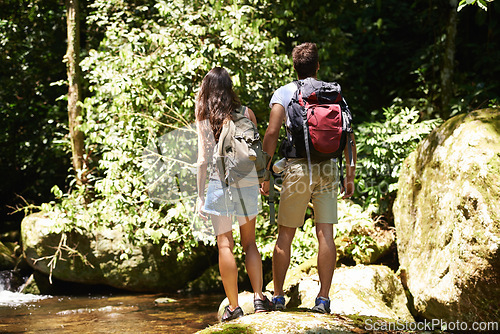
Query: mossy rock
pixel 288 322
pixel 98 258
pixel 447 218
pixel 372 290
pixel 297 321
pixel 7 259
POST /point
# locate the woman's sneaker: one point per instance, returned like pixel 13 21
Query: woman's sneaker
pixel 231 315
pixel 262 305
pixel 322 305
pixel 279 303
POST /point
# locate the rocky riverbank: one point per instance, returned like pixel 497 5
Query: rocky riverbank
pixel 448 235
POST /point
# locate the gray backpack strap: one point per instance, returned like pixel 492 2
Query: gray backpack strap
pixel 239 113
pixel 227 132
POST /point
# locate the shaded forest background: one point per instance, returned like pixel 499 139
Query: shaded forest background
pixel 142 62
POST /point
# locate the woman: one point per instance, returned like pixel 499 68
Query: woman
pixel 214 104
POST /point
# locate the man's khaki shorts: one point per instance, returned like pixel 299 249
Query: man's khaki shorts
pixel 296 192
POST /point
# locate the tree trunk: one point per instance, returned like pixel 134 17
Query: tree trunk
pixel 448 60
pixel 74 81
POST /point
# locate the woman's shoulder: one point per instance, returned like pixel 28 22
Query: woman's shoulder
pixel 249 114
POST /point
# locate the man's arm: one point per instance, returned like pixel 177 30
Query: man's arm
pixel 271 137
pixel 350 170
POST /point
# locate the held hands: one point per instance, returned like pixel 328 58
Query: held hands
pixel 264 188
pixel 348 188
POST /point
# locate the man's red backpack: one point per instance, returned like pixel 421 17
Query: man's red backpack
pixel 318 122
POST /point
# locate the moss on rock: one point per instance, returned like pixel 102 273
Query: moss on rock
pixel 288 322
pixel 447 219
pixel 106 257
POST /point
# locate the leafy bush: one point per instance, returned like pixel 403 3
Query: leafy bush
pixel 352 235
pixel 143 79
pixel 382 146
pixel 32 120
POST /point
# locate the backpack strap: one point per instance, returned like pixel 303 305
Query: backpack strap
pixel 308 152
pixel 350 144
pixel 306 138
pixel 239 113
pixel 227 132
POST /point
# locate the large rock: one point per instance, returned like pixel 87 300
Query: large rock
pixel 290 323
pixel 285 323
pixel 361 290
pixel 101 260
pixel 7 260
pixel 447 217
pixel 372 290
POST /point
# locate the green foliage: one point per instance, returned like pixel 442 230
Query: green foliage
pixel 483 4
pixel 352 235
pixel 360 246
pixel 291 22
pixel 353 232
pixel 143 79
pixel 494 103
pixel 32 121
pixel 382 147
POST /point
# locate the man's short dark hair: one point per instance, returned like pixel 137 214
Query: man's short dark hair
pixel 305 60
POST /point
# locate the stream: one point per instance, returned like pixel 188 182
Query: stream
pixel 112 313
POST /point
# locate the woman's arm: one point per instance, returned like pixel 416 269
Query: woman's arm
pixel 205 146
pixel 204 132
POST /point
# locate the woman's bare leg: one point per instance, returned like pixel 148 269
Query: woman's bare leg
pixel 227 264
pixel 253 261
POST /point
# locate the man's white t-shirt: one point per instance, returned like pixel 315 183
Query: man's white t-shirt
pixel 283 95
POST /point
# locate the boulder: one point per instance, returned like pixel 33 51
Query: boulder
pixel 209 281
pixel 361 290
pixel 293 277
pixel 447 218
pixel 7 259
pixel 283 322
pixel 372 290
pixel 99 258
pixel 300 322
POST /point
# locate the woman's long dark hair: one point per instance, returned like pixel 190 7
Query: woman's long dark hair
pixel 216 99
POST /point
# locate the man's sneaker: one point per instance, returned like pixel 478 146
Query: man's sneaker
pixel 230 315
pixel 279 303
pixel 262 305
pixel 322 305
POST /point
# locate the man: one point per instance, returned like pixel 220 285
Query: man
pixel 298 189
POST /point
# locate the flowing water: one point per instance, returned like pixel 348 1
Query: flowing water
pixel 122 313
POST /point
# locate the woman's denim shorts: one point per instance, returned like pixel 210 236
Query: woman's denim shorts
pixel 229 201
